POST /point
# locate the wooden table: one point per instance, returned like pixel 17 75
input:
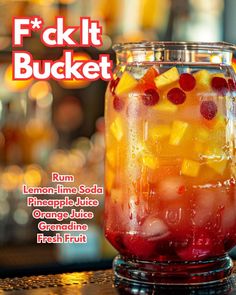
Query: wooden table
pixel 98 283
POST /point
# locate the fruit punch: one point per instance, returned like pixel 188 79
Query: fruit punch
pixel 170 162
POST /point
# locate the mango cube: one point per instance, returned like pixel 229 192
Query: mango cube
pixel 203 79
pixel 166 106
pixel 190 168
pixel 126 83
pixel 150 161
pixel 116 128
pixel 178 131
pixel 168 77
pixel 159 132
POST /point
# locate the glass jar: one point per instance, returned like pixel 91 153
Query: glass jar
pixel 170 207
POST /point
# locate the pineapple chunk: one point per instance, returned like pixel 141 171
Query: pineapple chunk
pixel 220 122
pixel 166 106
pixel 178 131
pixel 116 128
pixel 218 166
pixel 159 132
pixel 202 134
pixel 203 79
pixel 216 159
pixel 150 161
pixel 126 83
pixel 168 77
pixel 111 157
pixel 190 168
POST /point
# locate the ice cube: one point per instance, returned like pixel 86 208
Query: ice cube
pixel 170 188
pixel 154 227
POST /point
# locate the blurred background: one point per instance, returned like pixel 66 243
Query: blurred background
pixel 58 126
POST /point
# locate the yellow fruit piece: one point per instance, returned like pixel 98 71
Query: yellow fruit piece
pixel 220 122
pixel 178 131
pixel 202 134
pixel 190 168
pixel 168 77
pixel 166 106
pixel 203 79
pixel 126 83
pixel 159 132
pixel 198 147
pixel 116 128
pixel 216 159
pixel 150 161
pixel 218 166
pixel 111 157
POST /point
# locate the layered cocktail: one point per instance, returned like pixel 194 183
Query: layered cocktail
pixel 170 164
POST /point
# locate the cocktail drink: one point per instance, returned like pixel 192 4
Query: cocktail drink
pixel 170 207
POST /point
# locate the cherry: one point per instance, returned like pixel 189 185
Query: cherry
pixel 113 84
pixel 176 96
pixel 187 82
pixel 208 109
pixel 118 103
pixel 219 85
pixel 232 85
pixel 151 97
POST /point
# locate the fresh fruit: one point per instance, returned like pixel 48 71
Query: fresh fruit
pixel 220 85
pixel 159 132
pixel 202 134
pixel 232 85
pixel 190 168
pixel 126 83
pixel 219 122
pixel 111 157
pixel 178 131
pixel 118 103
pixel 187 82
pixel 208 109
pixel 150 97
pixel 166 106
pixel 176 96
pixel 203 78
pixel 113 84
pixel 149 76
pixel 117 129
pixel 168 77
pixel 150 161
pixel 216 159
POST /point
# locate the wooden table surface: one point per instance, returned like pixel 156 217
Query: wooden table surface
pixel 99 283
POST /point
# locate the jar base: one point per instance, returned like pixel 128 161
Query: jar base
pixel 173 273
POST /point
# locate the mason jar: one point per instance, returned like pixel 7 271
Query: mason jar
pixel 170 207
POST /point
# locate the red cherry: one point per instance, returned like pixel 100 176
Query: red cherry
pixel 219 85
pixel 113 84
pixel 118 103
pixel 176 96
pixel 232 85
pixel 151 97
pixel 208 109
pixel 187 82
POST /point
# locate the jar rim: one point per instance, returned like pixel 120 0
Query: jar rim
pixel 172 45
